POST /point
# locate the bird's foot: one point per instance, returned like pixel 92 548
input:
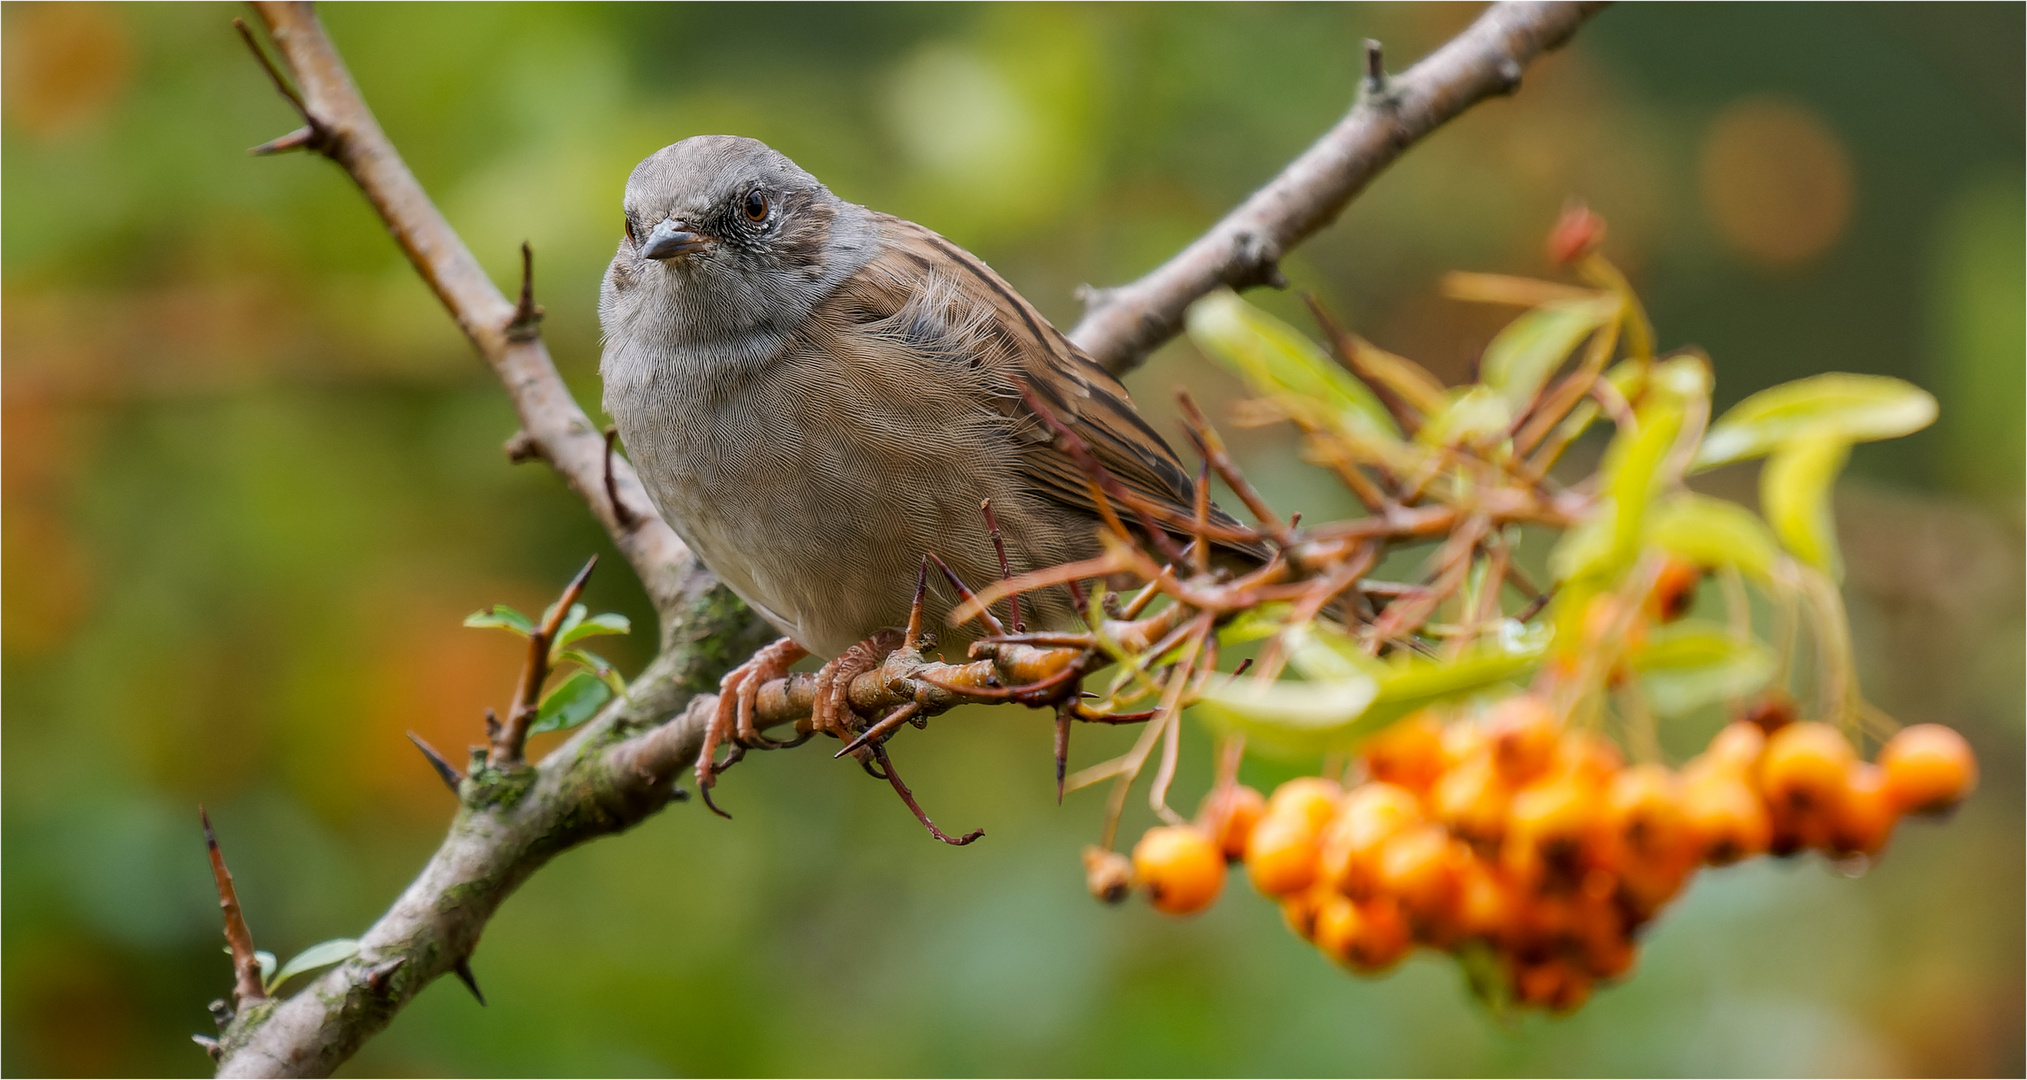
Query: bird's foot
pixel 832 712
pixel 733 721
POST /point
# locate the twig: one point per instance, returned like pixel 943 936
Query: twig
pixel 1123 324
pixel 512 737
pixel 247 987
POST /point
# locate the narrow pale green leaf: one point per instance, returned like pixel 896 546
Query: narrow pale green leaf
pixel 605 623
pixel 1852 408
pixel 322 954
pixel 267 964
pixel 1528 351
pixel 1689 664
pixel 501 617
pixel 1795 495
pixel 1631 473
pixel 1279 362
pixel 575 700
pixel 1713 532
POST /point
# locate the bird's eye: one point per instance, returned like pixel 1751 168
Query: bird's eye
pixel 756 205
pixel 631 238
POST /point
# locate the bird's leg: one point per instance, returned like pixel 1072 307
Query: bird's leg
pixel 733 720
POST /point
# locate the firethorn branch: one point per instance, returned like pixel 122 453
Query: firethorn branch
pixel 1122 325
pixel 619 768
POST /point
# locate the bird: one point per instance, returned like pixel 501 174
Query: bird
pixel 817 396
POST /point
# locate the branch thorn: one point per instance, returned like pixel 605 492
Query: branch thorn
pixel 463 970
pixel 313 135
pixel 443 768
pixel 1375 83
pixel 526 322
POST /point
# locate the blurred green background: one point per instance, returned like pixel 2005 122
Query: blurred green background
pixel 253 480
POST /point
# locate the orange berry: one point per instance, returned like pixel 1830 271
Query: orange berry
pixel 1589 757
pixel 1409 754
pixel 1929 768
pixel 1674 590
pixel 1487 903
pixel 1311 796
pixel 1228 815
pixel 1645 887
pixel 1643 808
pixel 1551 832
pixel 1523 732
pixel 1300 909
pixel 1552 984
pixel 1738 747
pixel 1604 945
pixel 1420 868
pixel 1369 816
pixel 1368 936
pixel 1335 926
pixel 1727 818
pixel 1865 817
pixel 1182 869
pixel 1471 799
pixel 1802 773
pixel 1107 874
pixel 1281 853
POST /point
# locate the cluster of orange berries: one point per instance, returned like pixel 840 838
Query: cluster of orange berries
pixel 1517 837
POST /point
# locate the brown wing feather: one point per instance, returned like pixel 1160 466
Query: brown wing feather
pixel 1080 394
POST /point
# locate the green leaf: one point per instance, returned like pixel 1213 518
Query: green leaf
pixel 1795 496
pixel 1528 351
pixel 606 623
pixel 1692 663
pixel 322 954
pixel 1255 624
pixel 1852 408
pixel 1473 414
pixel 1713 532
pixel 1299 716
pixel 267 963
pixel 1631 474
pixel 1278 362
pixel 1324 653
pixel 1416 682
pixel 501 617
pixel 1330 714
pixel 575 700
pixel 597 665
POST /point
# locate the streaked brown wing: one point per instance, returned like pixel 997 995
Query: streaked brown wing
pixel 1021 346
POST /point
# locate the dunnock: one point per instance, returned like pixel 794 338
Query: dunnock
pixel 817 395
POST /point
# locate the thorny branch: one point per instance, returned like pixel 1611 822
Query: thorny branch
pixel 619 768
pixel 1122 325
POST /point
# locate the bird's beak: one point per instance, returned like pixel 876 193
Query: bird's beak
pixel 669 239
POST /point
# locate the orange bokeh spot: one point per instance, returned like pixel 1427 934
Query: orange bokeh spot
pixel 1775 180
